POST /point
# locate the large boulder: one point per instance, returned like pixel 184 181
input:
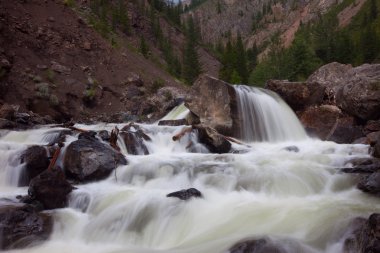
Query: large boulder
pixel 22 226
pixel 365 236
pixel 360 96
pixel 327 122
pixel 214 102
pixel 36 161
pixel 89 159
pixel 297 95
pixel 51 189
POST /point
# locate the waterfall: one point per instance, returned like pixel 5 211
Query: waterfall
pixel 266 117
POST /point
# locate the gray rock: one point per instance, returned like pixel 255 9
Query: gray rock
pixel 89 160
pixel 214 102
pixel 22 226
pixel 36 161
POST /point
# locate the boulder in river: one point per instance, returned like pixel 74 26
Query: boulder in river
pixel 22 226
pixel 214 102
pixel 268 245
pixel 370 183
pixel 134 138
pixel 51 189
pixel 36 161
pixel 89 160
pixel 186 194
pixel 365 236
pixel 214 141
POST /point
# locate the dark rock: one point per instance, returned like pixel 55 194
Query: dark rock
pixel 7 112
pixel 178 122
pixel 22 118
pixel 51 189
pixel 134 138
pixel 365 235
pixel 7 124
pixel 104 135
pixel 88 160
pixel 345 131
pixel 372 126
pixel 362 165
pixel 361 140
pixel 214 102
pixel 22 226
pixel 370 183
pixel 89 135
pixel 186 194
pixel 373 138
pixel 297 95
pixel 60 68
pixel 214 141
pixel 292 149
pixel 36 161
pixel 268 245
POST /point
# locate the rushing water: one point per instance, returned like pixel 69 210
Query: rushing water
pixel 298 199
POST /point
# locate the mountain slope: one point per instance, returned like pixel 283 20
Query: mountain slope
pixel 54 61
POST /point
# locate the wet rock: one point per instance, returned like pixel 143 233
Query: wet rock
pixel 214 102
pixel 134 138
pixel 292 149
pixel 370 184
pixel 297 95
pixel 268 245
pixel 22 226
pixel 365 235
pixel 361 140
pixel 89 160
pixel 373 138
pixel 51 189
pixel 7 124
pixel 36 161
pixel 104 135
pixel 345 131
pixel 362 165
pixel 178 122
pixel 186 194
pixel 89 135
pixel 214 141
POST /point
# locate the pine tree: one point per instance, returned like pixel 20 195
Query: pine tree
pixel 241 60
pixel 144 49
pixel 191 64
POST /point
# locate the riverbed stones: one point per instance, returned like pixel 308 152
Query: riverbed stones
pixel 51 189
pixel 88 160
pixel 36 161
pixel 134 138
pixel 21 226
pixel 370 184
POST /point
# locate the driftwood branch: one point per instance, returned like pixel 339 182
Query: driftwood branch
pixel 56 155
pixel 113 138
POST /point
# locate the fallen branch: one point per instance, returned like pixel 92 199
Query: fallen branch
pixel 55 156
pixel 182 133
pixel 113 138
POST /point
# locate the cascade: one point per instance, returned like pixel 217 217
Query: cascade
pixel 298 199
pixel 266 117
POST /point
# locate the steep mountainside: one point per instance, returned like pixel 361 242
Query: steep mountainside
pixel 256 20
pixel 57 59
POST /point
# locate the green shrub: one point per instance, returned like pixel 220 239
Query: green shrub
pixel 42 90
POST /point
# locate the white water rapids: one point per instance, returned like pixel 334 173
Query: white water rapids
pixel 299 199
